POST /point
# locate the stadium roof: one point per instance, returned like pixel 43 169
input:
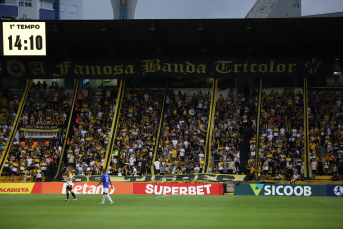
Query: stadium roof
pixel 335 14
pixel 198 37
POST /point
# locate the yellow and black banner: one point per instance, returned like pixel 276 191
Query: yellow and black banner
pixel 185 67
pixel 40 130
pixel 40 127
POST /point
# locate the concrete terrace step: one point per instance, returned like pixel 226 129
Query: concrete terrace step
pixel 17 179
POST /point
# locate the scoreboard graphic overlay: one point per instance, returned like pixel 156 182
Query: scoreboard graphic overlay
pixel 24 38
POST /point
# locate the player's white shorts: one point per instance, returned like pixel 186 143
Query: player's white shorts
pixel 105 190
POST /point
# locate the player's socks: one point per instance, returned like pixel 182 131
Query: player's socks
pixel 103 198
pixel 67 195
pixel 109 198
pixel 73 195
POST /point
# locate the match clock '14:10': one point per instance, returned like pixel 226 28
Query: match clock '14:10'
pixel 24 38
pixel 34 42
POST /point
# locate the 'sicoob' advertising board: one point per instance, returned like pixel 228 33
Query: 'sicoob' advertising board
pixel 280 190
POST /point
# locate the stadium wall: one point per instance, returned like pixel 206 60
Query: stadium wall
pixel 173 189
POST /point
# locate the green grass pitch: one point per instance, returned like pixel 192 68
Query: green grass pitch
pixel 148 211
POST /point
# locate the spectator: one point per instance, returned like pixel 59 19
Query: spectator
pixel 335 177
pixel 296 177
pixel 314 168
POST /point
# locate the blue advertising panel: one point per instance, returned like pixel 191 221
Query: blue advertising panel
pixel 334 190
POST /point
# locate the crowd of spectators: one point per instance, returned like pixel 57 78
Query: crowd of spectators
pixel 90 131
pixel 182 143
pixel 9 104
pixel 235 120
pixel 46 107
pixel 281 140
pixel 181 149
pixel 136 132
pixel 326 130
pixel 183 139
pixel 32 158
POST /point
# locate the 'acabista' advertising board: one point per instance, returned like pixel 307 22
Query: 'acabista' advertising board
pixel 280 190
pixel 86 188
pixel 21 188
pixel 178 189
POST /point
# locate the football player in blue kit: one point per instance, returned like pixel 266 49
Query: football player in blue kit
pixel 106 181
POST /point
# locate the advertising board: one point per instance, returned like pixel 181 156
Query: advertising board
pixel 21 188
pixel 86 188
pixel 280 190
pixel 178 189
pixel 334 190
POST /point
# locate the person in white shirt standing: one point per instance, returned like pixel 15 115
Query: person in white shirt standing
pixel 157 165
pixel 132 160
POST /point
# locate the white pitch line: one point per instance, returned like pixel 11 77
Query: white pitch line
pixel 207 213
pixel 162 196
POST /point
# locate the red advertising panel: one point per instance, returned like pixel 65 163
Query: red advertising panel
pixel 21 188
pixel 178 189
pixel 86 188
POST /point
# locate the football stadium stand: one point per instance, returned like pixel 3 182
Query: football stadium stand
pixel 189 109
